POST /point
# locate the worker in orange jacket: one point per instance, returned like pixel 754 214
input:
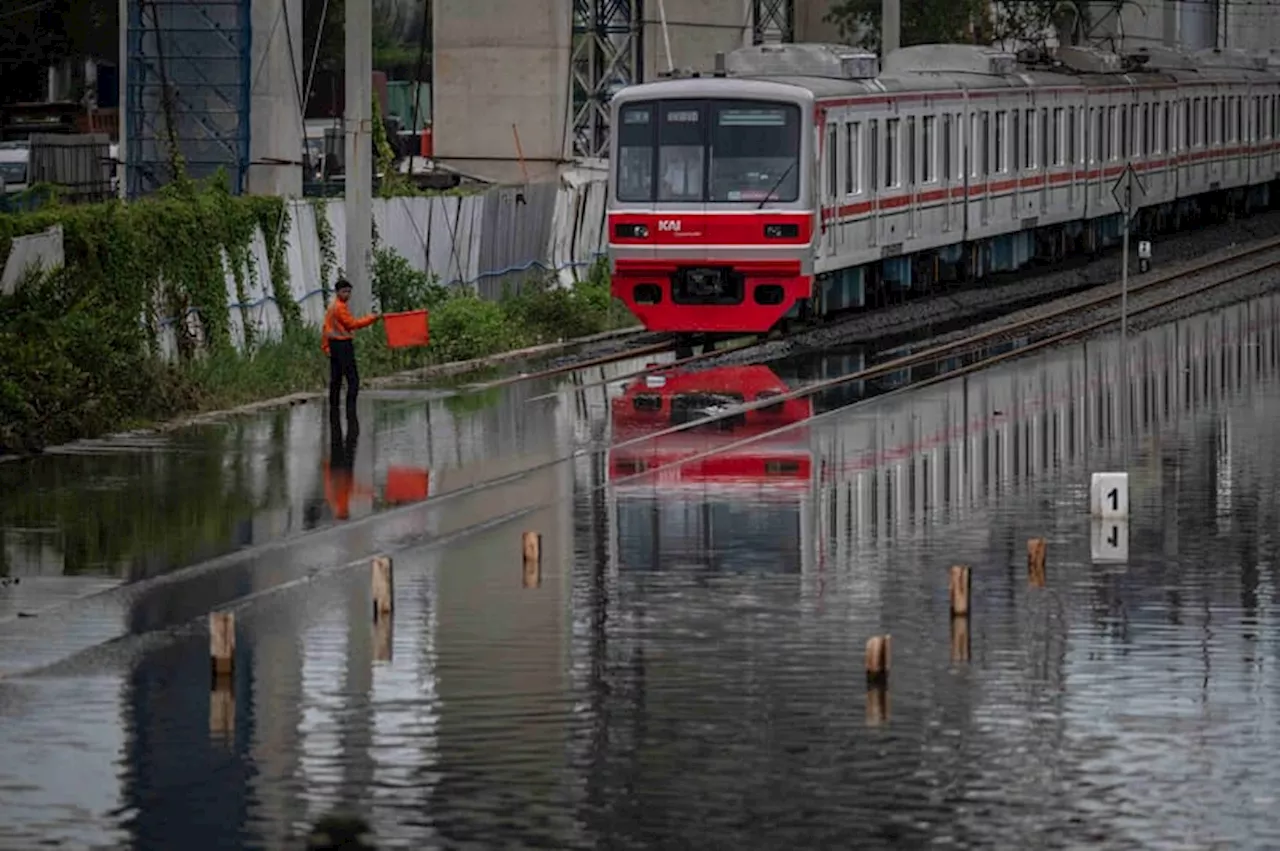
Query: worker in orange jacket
pixel 338 344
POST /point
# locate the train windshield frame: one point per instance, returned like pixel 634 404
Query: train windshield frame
pixel 708 151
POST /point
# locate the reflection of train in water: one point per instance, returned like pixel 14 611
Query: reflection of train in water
pixel 735 503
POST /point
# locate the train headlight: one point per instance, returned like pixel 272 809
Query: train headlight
pixel 631 230
pixel 777 231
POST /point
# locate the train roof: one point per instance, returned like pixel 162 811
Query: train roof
pixel 824 71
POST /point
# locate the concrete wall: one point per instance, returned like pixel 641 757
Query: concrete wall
pixel 498 64
pixel 490 242
pixel 275 109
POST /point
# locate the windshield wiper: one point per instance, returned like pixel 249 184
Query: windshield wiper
pixel 775 186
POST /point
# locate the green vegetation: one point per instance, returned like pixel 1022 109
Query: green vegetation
pixel 83 343
pixel 963 22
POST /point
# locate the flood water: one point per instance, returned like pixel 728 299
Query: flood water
pixel 688 671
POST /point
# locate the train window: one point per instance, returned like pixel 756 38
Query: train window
pixel 1095 150
pixel 1001 165
pixel 1028 146
pixel 1016 137
pixel 1239 111
pixel 927 149
pixel 974 140
pixel 681 152
pixel 911 150
pixel 1057 135
pixel 853 160
pixel 755 151
pixel 1071 135
pixel 1209 126
pixel 1044 137
pixel 1146 131
pixel 892 150
pixel 1162 139
pixel 832 161
pixel 1186 123
pixel 873 147
pixel 1108 137
pixel 946 147
pixel 986 143
pixel 635 152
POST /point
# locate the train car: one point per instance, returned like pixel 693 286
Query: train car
pixel 804 179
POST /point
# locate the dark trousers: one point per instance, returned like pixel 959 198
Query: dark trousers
pixel 342 364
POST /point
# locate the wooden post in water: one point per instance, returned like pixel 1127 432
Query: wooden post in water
pixel 222 644
pixel 222 658
pixel 1035 561
pixel 222 711
pixel 531 544
pixel 959 588
pixel 382 639
pixel 878 659
pixel 877 705
pixel 383 588
pixel 959 639
pixel 959 591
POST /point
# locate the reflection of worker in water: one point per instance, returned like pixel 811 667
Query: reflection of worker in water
pixel 339 472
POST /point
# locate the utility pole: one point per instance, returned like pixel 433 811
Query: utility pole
pixel 359 152
pixel 890 26
pixel 122 105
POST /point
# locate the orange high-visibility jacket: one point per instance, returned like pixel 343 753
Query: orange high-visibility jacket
pixel 339 324
pixel 339 486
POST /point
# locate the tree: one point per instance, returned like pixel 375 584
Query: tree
pixel 397 31
pixel 923 21
pixel 1014 22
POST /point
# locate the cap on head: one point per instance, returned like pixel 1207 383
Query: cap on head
pixel 343 284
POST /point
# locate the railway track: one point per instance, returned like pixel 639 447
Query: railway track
pixel 1143 295
pixel 1176 286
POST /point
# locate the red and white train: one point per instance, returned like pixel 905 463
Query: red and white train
pixel 804 179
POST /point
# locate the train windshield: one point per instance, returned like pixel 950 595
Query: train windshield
pixel 717 151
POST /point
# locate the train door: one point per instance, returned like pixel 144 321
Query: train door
pixel 1048 142
pixel 1214 141
pixel 912 176
pixel 828 160
pixel 892 133
pixel 982 162
pixel 873 180
pixel 947 123
pixel 1074 150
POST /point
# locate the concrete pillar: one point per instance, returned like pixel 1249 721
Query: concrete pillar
pixel 696 30
pixel 517 66
pixel 275 110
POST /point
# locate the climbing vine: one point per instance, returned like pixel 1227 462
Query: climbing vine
pixel 328 245
pixel 274 224
pixel 391 183
pixel 168 256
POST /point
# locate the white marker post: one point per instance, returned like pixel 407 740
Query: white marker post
pixel 1109 496
pixel 1109 541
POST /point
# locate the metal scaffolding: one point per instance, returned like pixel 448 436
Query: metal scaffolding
pixel 188 86
pixel 607 55
pixel 773 21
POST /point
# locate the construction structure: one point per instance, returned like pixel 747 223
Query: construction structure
pixel 516 96
pixel 216 85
